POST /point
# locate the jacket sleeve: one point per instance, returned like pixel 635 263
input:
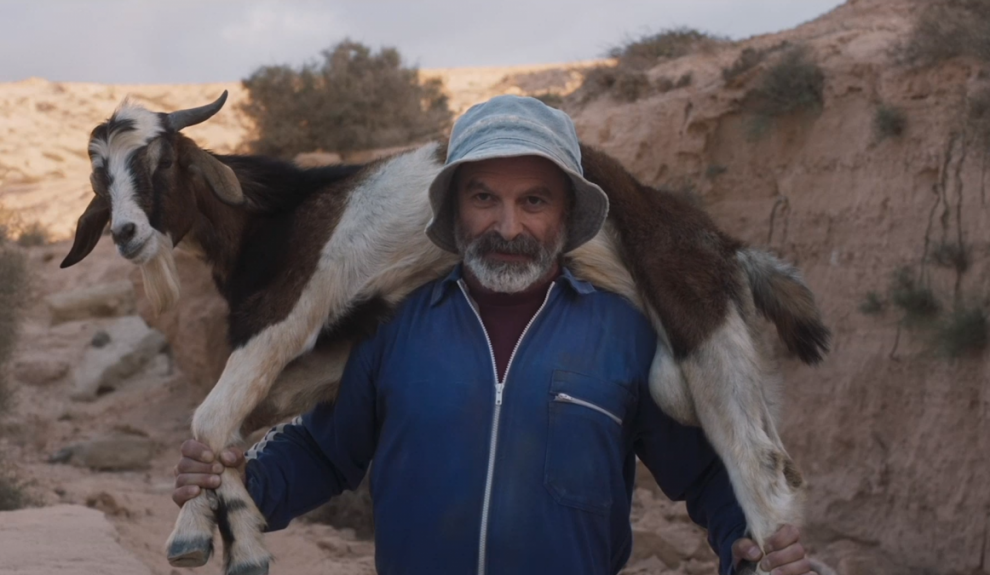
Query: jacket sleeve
pixel 300 465
pixel 687 468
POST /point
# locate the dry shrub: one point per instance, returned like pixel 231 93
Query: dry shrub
pixel 13 493
pixel 949 29
pixel 951 255
pixel 963 332
pixel 552 99
pixel 871 304
pixel 918 302
pixel 889 122
pixel 353 100
pixel 793 83
pixel 646 51
pixel 748 59
pixel 978 115
pixel 34 234
pixel 13 296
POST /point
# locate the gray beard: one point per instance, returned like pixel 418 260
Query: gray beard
pixel 508 277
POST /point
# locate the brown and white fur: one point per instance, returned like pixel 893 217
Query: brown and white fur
pixel 348 244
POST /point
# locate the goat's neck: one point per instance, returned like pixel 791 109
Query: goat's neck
pixel 216 234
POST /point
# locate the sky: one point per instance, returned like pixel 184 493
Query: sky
pixel 192 41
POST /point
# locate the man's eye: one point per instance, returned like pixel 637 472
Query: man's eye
pixel 483 197
pixel 535 201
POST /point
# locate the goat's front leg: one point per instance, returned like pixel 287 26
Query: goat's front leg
pixel 726 380
pixel 246 381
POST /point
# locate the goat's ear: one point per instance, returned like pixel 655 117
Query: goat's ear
pixel 219 176
pixel 88 230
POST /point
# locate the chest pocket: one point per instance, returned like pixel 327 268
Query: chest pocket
pixel 585 440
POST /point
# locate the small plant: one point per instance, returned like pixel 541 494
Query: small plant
pixel 951 255
pixel 33 235
pixel 978 115
pixel 646 51
pixel 13 496
pixel 918 302
pixel 872 304
pixel 631 86
pixel 889 122
pixel 13 293
pixel 794 83
pixel 748 59
pixel 949 29
pixel 715 170
pixel 685 80
pixel 552 99
pixel 964 332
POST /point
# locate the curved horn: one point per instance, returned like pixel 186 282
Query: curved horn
pixel 190 117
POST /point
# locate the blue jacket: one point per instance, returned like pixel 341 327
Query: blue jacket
pixel 535 476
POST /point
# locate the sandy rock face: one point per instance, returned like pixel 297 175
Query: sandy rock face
pixel 892 435
pixel 65 539
pixel 115 354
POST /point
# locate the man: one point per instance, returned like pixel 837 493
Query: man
pixel 504 405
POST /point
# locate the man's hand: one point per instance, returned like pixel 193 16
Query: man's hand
pixel 198 469
pixel 785 554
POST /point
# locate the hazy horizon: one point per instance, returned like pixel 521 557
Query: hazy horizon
pixel 186 41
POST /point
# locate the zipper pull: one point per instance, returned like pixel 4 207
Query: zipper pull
pixel 498 393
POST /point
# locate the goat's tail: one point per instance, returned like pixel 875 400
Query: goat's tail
pixel 781 295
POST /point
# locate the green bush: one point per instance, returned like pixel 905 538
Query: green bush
pixel 353 100
pixel 949 29
pixel 963 332
pixel 646 51
pixel 889 122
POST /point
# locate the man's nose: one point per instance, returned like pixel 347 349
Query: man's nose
pixel 508 224
pixel 123 232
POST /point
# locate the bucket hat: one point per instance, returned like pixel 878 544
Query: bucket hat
pixel 510 126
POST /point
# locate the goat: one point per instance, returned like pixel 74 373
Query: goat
pixel 310 259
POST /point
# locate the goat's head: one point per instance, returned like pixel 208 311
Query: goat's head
pixel 141 176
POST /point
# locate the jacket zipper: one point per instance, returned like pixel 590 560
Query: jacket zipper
pixel 499 386
pixel 565 398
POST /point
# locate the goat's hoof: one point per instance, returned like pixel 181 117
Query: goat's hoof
pixel 190 552
pixel 248 569
pixel 748 568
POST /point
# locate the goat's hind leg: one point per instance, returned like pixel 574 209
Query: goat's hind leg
pixel 726 378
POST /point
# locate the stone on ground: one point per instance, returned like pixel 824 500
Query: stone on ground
pixel 65 539
pixel 103 300
pixel 114 452
pixel 131 345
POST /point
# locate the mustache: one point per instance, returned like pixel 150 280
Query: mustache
pixel 522 245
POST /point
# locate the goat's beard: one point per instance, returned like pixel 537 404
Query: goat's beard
pixel 508 277
pixel 160 276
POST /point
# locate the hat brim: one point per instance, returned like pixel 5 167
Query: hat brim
pixel 586 218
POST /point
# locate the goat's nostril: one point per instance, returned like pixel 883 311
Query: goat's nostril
pixel 125 233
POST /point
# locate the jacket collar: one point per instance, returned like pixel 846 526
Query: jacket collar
pixel 566 278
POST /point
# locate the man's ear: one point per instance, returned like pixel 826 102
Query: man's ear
pixel 88 231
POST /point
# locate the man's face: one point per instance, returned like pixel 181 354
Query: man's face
pixel 510 221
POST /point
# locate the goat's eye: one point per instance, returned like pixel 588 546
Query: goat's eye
pixel 165 164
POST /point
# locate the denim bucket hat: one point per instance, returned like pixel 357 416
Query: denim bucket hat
pixel 507 126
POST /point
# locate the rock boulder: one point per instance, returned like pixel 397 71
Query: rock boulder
pixel 130 346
